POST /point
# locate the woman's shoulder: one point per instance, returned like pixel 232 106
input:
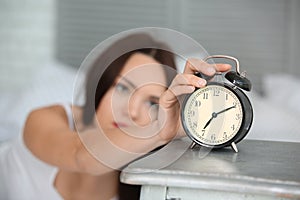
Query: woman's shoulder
pixel 58 116
pixel 52 114
pixel 58 110
pixel 52 111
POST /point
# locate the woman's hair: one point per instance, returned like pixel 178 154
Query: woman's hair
pixel 100 78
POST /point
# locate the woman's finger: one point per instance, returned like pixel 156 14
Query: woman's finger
pixel 194 65
pixel 170 96
pixel 182 84
pixel 188 79
pixel 221 67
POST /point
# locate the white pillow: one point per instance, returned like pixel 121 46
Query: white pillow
pixel 283 90
pixel 273 122
pixel 52 83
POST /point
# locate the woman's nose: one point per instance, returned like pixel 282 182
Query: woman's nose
pixel 134 108
pixel 138 111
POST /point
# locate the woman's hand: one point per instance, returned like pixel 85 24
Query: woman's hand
pixel 185 83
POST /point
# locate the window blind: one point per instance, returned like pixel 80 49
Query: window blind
pixel 257 32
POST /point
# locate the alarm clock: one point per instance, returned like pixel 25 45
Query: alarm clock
pixel 220 114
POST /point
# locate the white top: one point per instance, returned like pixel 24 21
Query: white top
pixel 22 175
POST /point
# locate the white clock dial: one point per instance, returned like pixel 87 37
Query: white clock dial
pixel 213 115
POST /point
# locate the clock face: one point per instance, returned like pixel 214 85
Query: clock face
pixel 212 115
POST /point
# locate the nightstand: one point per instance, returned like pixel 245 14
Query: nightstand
pixel 260 170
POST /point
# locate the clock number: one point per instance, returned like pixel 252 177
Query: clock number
pixel 195 125
pixel 226 97
pixel 192 113
pixel 203 132
pixel 216 93
pixel 225 135
pixel 238 116
pixel 205 95
pixel 197 103
pixel 213 137
pixel 232 127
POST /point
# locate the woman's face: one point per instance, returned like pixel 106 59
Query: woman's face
pixel 132 102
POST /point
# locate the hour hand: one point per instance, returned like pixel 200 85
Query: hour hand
pixel 207 123
pixel 213 115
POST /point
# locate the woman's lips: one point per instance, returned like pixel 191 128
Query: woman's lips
pixel 119 125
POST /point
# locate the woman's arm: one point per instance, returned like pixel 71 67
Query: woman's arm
pixel 47 135
pixel 49 138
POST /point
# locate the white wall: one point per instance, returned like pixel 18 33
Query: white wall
pixel 26 40
pixel 294 39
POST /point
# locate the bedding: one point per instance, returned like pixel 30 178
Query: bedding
pixel 277 112
pixel 52 83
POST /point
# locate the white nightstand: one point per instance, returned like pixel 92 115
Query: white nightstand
pixel 261 170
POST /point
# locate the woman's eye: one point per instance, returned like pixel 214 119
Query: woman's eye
pixel 153 107
pixel 121 88
pixel 152 104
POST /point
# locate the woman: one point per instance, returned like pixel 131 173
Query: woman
pixel 57 159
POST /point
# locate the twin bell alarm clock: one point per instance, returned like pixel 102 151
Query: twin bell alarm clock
pixel 220 114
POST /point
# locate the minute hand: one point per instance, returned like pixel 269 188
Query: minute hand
pixel 225 110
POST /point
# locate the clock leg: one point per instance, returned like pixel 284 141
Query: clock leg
pixel 193 145
pixel 234 147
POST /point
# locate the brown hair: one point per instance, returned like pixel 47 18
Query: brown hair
pixel 99 79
